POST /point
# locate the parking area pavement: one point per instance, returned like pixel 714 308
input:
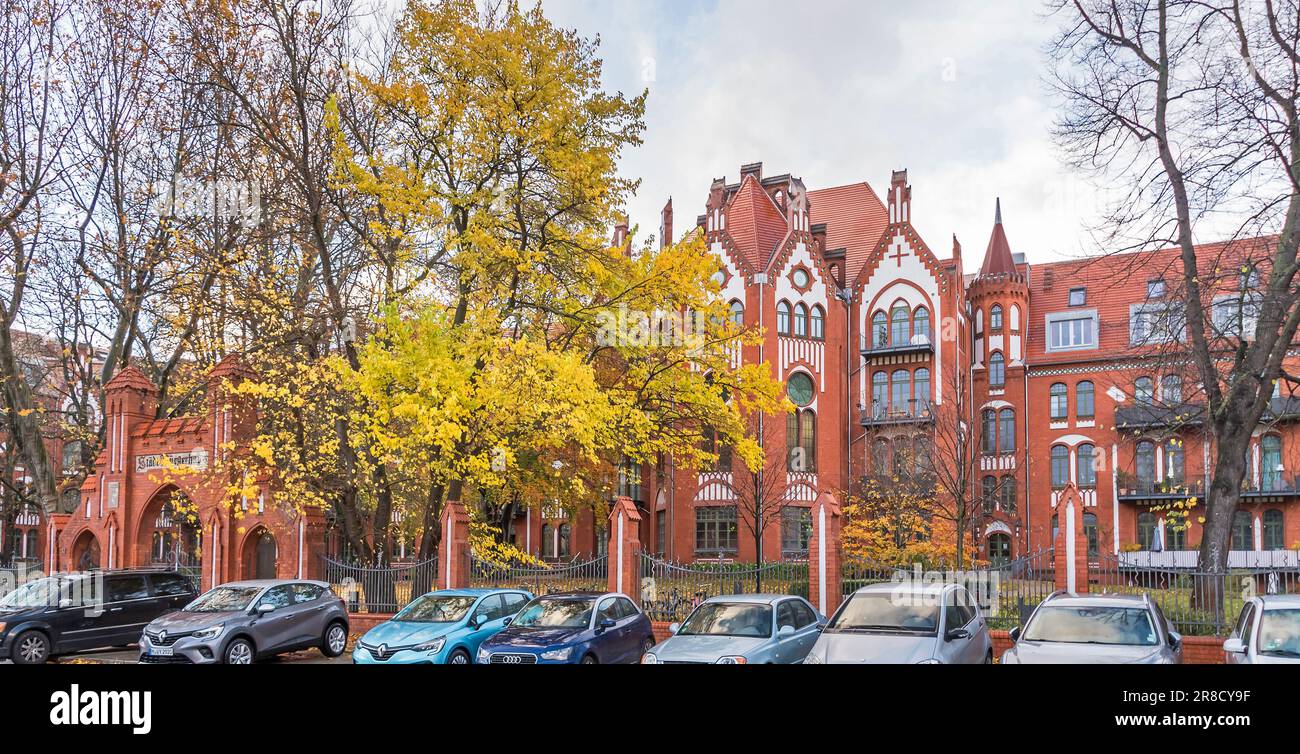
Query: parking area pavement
pixel 128 655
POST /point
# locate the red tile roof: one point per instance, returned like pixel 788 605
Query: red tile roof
pixel 130 377
pixel 231 366
pixel 997 258
pixel 855 220
pixel 161 427
pixel 754 223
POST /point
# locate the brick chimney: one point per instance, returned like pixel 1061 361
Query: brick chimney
pixel 900 198
pixel 666 225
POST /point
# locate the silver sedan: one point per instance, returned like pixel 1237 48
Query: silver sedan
pixel 1267 632
pixel 1067 628
pixel 742 629
pixel 904 623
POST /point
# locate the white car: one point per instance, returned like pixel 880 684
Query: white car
pixel 901 623
pixel 1267 632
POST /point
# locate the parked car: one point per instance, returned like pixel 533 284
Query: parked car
pixel 1267 632
pixel 1067 628
pixel 60 615
pixel 243 621
pixel 572 628
pixel 902 623
pixel 742 629
pixel 442 627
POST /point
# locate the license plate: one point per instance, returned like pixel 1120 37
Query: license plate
pixel 161 651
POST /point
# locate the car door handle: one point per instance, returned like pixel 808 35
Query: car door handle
pixel 115 609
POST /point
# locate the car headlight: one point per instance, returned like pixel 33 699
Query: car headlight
pixel 649 659
pixel 812 659
pixel 434 646
pixel 931 661
pixel 731 660
pixel 211 632
pixel 558 654
pixel 484 655
pixel 2 628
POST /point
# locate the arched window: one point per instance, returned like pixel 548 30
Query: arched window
pixel 997 370
pixel 899 326
pixel 801 320
pixel 1086 465
pixel 1059 402
pixel 921 324
pixel 1146 530
pixel 1243 533
pixel 989 437
pixel 1144 390
pixel 1171 389
pixel 900 399
pixel 548 541
pixel 817 323
pixel 1090 531
pixel 990 494
pixel 879 395
pixel 1083 400
pixel 1009 495
pixel 995 317
pixel 1273 530
pixel 564 540
pixel 1175 535
pixel 1145 457
pixel 921 388
pixel 1270 462
pixel 808 438
pixel 880 456
pixel 1060 466
pixel 783 318
pixel 1007 430
pixel 921 451
pixel 1174 465
pixel 879 330
pixel 737 314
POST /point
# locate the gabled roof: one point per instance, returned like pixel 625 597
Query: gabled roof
pixel 855 219
pixel 130 377
pixel 161 427
pixel 754 223
pixel 232 365
pixel 997 258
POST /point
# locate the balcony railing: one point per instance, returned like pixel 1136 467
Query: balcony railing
pixel 917 344
pixel 1147 489
pixel 912 411
pixel 1189 559
pixel 1272 483
pixel 1151 415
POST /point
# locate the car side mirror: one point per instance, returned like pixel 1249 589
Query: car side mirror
pixel 785 632
pixel 507 620
pixel 673 628
pixel 1234 646
pixel 605 623
pixel 822 624
pixel 1015 634
pixel 955 634
pixel 1175 639
pixel 265 608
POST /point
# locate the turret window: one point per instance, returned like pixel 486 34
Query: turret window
pixel 997 370
pixel 995 317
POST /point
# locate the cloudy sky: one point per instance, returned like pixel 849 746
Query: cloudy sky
pixel 837 91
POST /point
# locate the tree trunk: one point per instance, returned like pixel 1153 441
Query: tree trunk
pixel 1221 505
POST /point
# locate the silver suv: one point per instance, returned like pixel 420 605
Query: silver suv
pixel 239 622
pixel 1267 632
pixel 1104 628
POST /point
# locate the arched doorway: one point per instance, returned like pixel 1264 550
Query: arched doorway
pixel 260 555
pixel 999 549
pixel 170 527
pixel 85 552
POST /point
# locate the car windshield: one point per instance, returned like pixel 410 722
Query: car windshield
pixel 433 608
pixel 888 612
pixel 556 613
pixel 729 619
pixel 1279 633
pixel 1093 625
pixel 38 593
pixel 224 599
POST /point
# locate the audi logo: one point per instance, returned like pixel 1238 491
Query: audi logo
pixel 512 659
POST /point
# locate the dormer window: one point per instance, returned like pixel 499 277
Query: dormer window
pixel 1155 289
pixel 1078 296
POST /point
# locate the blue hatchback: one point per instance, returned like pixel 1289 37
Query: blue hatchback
pixel 572 628
pixel 443 627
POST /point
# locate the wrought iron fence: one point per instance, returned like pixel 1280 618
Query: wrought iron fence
pixel 380 590
pixel 577 576
pixel 20 571
pixel 1195 601
pixel 670 591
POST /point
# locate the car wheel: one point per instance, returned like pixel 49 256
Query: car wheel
pixel 238 652
pixel 31 648
pixel 335 640
pixel 589 660
pixel 646 646
pixel 459 657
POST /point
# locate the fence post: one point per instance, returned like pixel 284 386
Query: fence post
pixel 625 549
pixel 824 554
pixel 1071 555
pixel 453 557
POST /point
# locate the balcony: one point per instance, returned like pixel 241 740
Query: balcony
pixel 1133 490
pixel 919 344
pixel 915 411
pixel 1282 408
pixel 1271 485
pixel 1140 416
pixel 1188 559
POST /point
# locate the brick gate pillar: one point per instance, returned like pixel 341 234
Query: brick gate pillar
pixel 453 555
pixel 824 554
pixel 625 549
pixel 1071 546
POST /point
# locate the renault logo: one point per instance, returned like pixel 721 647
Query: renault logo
pixel 383 649
pixel 162 636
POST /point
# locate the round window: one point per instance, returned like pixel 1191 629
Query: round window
pixel 800 389
pixel 800 278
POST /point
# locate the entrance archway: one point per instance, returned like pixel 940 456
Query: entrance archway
pixel 260 555
pixel 170 529
pixel 85 551
pixel 999 549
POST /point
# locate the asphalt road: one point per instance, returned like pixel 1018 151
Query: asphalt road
pixel 128 656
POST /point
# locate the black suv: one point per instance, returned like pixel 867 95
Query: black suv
pixel 59 615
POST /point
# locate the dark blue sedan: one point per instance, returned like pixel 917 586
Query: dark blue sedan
pixel 572 628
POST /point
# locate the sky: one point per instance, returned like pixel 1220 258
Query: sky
pixel 840 91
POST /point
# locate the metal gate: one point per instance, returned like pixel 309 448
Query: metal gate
pixel 577 576
pixel 669 591
pixel 380 590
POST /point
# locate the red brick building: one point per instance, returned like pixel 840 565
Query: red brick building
pixel 1053 366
